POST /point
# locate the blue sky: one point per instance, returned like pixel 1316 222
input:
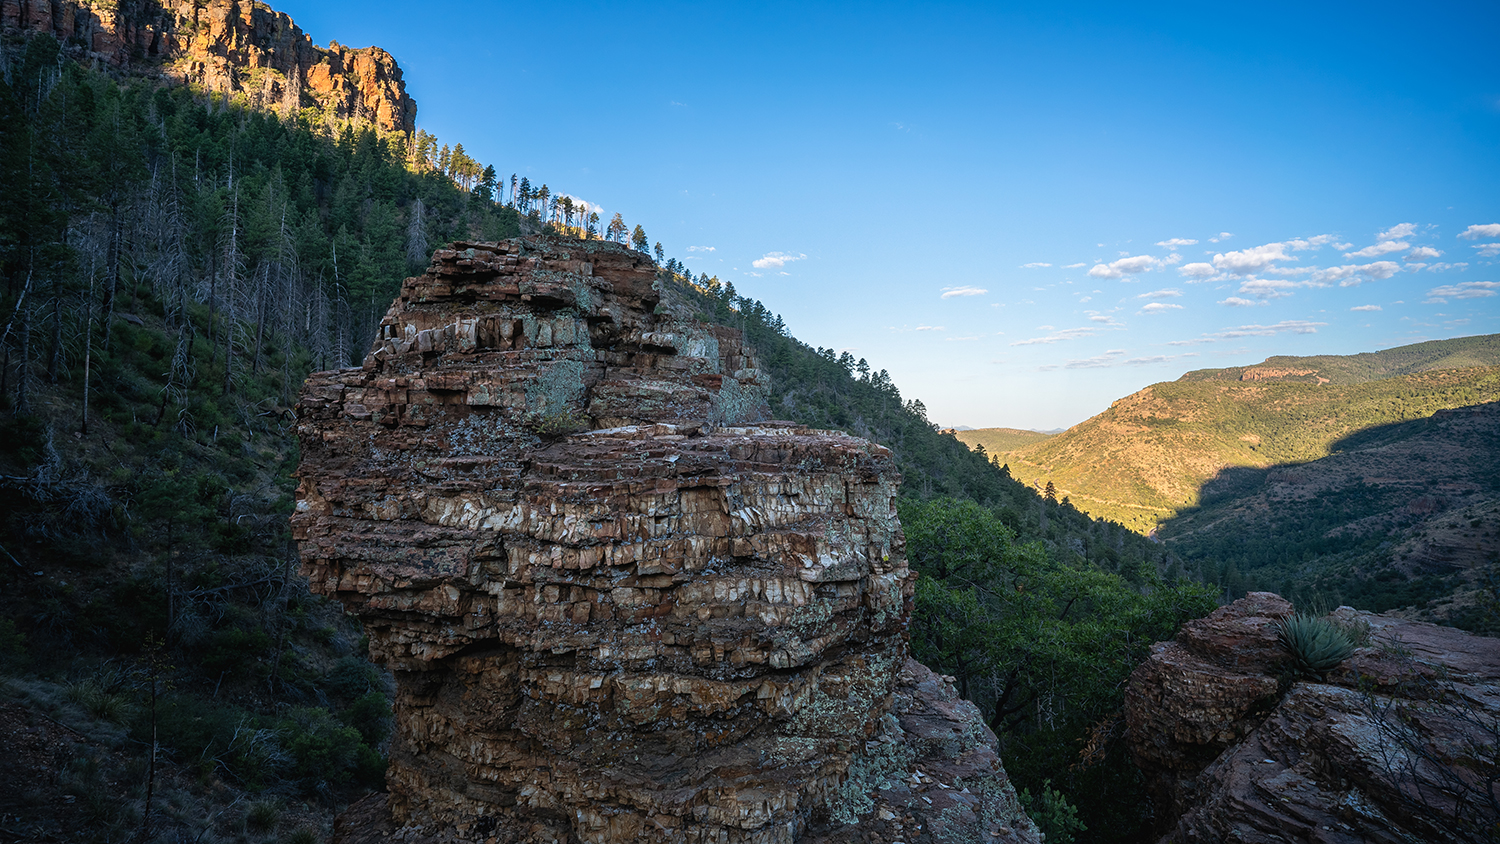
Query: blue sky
pixel 1022 212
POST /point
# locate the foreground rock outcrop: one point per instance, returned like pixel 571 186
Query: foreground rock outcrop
pixel 619 604
pixel 1400 744
pixel 232 47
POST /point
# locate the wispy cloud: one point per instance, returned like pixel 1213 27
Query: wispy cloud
pixel 1443 266
pixel 1075 266
pixel 1423 253
pixel 1479 232
pixel 1237 302
pixel 1385 247
pixel 1160 308
pixel 929 328
pixel 775 260
pixel 950 292
pixel 1289 326
pixel 1257 258
pixel 1220 236
pixel 1035 264
pixel 1168 293
pixel 1176 242
pixel 700 249
pixel 1058 336
pixel 1125 266
pixel 1366 308
pixel 1398 231
pixel 1353 275
pixel 1462 290
pixel 1488 250
pixel 1115 357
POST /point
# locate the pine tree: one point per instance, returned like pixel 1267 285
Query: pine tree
pixel 639 240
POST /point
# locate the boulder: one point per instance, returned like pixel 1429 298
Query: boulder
pixel 1401 743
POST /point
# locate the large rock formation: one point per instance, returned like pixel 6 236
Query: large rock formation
pixel 233 47
pixel 1400 744
pixel 619 604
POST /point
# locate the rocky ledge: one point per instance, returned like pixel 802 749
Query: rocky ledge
pixel 619 603
pixel 1401 743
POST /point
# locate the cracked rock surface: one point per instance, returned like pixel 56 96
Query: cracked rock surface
pixel 620 604
pixel 1397 744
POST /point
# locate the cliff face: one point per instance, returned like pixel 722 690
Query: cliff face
pixel 1400 744
pixel 226 46
pixel 618 603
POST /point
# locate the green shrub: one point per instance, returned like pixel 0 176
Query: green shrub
pixel 1315 644
pixel 1052 813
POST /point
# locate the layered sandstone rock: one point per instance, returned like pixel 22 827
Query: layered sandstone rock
pixel 233 47
pixel 620 605
pixel 1399 745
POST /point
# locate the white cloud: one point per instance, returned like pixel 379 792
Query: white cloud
pixel 929 328
pixel 1477 232
pixel 1463 290
pixel 1353 275
pixel 1271 288
pixel 1289 326
pixel 700 249
pixel 1034 264
pixel 1442 266
pixel 1125 266
pixel 775 259
pixel 1057 336
pixel 1366 308
pixel 1174 258
pixel 1197 272
pixel 1398 231
pixel 1160 307
pixel 1488 250
pixel 1220 236
pixel 1076 266
pixel 1176 242
pixel 1254 259
pixel 1237 302
pixel 1168 293
pixel 950 292
pixel 1422 253
pixel 1385 247
pixel 1260 258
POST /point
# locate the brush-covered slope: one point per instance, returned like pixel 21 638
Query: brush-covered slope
pixel 999 440
pixel 1399 515
pixel 1147 456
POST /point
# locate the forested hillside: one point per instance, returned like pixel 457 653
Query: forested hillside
pixel 1147 456
pixel 174 265
pixel 1399 515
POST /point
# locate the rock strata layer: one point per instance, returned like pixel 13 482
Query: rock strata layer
pixel 1400 744
pixel 620 604
pixel 232 47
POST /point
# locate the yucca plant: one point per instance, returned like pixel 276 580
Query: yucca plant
pixel 1315 644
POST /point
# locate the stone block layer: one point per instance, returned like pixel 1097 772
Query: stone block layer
pixel 619 603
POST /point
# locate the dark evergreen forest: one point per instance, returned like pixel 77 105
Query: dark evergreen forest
pixel 174 266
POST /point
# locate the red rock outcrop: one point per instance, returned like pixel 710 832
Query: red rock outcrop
pixel 619 604
pixel 1401 744
pixel 234 47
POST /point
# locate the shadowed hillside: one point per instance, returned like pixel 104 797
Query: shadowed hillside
pixel 1399 515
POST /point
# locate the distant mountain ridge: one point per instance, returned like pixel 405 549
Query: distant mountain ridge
pixel 1148 455
pixel 1458 353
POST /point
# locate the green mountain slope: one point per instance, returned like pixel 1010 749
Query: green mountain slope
pixel 1147 456
pixel 1398 515
pixel 999 440
pixel 1458 353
